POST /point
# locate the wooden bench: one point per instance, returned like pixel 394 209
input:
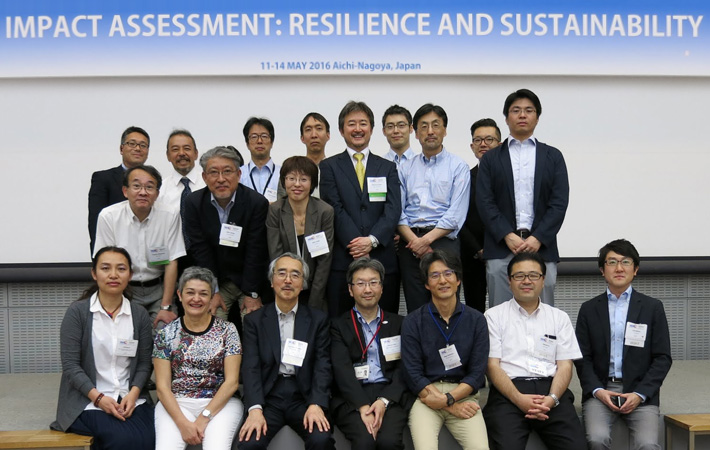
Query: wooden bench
pixel 694 424
pixel 43 439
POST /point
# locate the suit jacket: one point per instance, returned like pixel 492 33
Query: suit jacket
pixel 644 369
pixel 471 234
pixel 281 235
pixel 345 351
pixel 355 214
pixel 495 198
pixel 106 189
pixel 245 265
pixel 262 355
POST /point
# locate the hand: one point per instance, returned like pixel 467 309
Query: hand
pixel 201 422
pixel 128 405
pixel 419 246
pixel 379 409
pixel 514 242
pixel 604 396
pixel 530 245
pixel 533 406
pixel 250 304
pixel 368 419
pixel 110 406
pixel 434 400
pixel 165 316
pixel 190 432
pixel 632 401
pixel 315 415
pixel 255 423
pixel 360 246
pixel 463 410
pixel 217 302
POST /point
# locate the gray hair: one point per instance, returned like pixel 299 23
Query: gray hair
pixel 362 264
pixel 222 152
pixel 306 269
pixel 198 273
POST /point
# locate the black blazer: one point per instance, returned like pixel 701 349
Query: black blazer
pixel 495 198
pixel 262 355
pixel 246 265
pixel 644 369
pixel 106 189
pixel 355 214
pixel 471 235
pixel 345 351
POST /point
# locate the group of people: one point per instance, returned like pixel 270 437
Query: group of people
pixel 290 285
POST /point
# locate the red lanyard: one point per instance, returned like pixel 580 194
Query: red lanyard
pixel 359 339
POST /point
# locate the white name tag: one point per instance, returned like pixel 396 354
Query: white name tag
pixel 537 366
pixel 230 235
pixel 294 352
pixel 545 348
pixel 126 347
pixel 158 256
pixel 392 348
pixel 635 335
pixel 271 195
pixel 377 189
pixel 362 371
pixel 450 357
pixel 317 244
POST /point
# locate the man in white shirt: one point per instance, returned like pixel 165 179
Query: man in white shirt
pixel 261 173
pixel 397 128
pixel 182 154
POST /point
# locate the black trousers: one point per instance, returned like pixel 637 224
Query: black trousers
pixel 474 282
pixel 136 433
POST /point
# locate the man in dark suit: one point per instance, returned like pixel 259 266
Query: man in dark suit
pixel 522 192
pixel 626 353
pixel 363 189
pixel 485 135
pixel 286 366
pixel 370 398
pixel 225 224
pixel 107 185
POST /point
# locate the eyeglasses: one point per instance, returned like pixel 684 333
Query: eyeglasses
pixel 435 126
pixel 372 283
pixel 255 137
pixel 294 275
pixel 517 111
pixel 448 274
pixel 226 173
pixel 401 126
pixel 532 276
pixel 139 187
pixel 488 140
pixel 300 180
pixel 624 262
pixel 134 144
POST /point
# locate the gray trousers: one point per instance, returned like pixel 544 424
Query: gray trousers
pixel 499 285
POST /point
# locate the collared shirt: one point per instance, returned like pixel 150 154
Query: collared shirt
pixel 261 179
pixel 522 159
pixel 286 326
pixel 435 192
pixel 365 153
pixel 223 212
pixel 515 338
pixel 373 355
pixel 399 160
pixel 172 188
pixel 162 228
pixel 113 372
pixel 618 310
pixel 422 339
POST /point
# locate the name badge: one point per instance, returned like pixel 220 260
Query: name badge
pixel 317 244
pixel 392 348
pixel 545 348
pixel 158 256
pixel 377 188
pixel 294 352
pixel 271 195
pixel 230 235
pixel 635 335
pixel 126 347
pixel 537 366
pixel 450 357
pixel 362 371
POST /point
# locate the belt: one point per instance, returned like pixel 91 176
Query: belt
pixel 524 233
pixel 149 283
pixel 421 230
pixel 616 380
pixel 449 380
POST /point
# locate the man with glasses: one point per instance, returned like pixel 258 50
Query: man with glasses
pixel 397 127
pixel 261 173
pixel 530 366
pixel 444 351
pixel 485 135
pixel 106 185
pixel 152 234
pixel 286 367
pixel 522 192
pixel 435 193
pixel 226 226
pixel 370 398
pixel 626 353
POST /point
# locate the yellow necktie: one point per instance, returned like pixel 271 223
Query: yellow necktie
pixel 360 169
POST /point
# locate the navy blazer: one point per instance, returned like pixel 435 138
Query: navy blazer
pixel 106 189
pixel 246 265
pixel 262 355
pixel 471 234
pixel 495 198
pixel 355 214
pixel 644 369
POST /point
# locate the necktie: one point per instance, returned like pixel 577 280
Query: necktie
pixel 360 169
pixel 185 192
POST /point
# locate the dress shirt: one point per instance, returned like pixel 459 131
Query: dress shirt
pixel 399 160
pixel 261 179
pixel 172 188
pixel 365 153
pixel 422 339
pixel 223 212
pixel 618 310
pixel 118 226
pixel 514 335
pixel 286 324
pixel 435 192
pixel 373 356
pixel 522 160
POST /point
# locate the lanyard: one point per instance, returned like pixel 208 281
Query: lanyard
pixel 439 326
pixel 359 339
pixel 266 186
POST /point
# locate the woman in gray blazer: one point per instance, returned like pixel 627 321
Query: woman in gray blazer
pixel 303 224
pixel 106 344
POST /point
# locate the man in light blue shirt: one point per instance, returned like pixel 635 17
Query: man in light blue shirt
pixel 261 173
pixel 397 127
pixel 435 193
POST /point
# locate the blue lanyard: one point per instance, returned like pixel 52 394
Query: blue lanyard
pixel 441 330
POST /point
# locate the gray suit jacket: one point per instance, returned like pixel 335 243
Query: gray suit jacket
pixel 79 368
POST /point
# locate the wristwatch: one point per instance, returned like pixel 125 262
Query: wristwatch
pixel 165 307
pixel 254 294
pixel 206 413
pixel 554 397
pixel 385 401
pixel 450 399
pixel 374 241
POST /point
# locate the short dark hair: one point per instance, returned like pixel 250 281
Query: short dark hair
pixel 426 109
pixel 397 110
pixel 527 256
pixel 352 107
pixel 317 117
pixel 365 263
pixel 94 287
pixel 152 171
pixel 450 260
pixel 299 164
pixel 264 122
pixel 623 248
pixel 180 132
pixel 522 93
pixel 134 129
pixel 485 123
